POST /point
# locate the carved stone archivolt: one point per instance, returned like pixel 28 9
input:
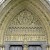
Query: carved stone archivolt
pixel 25 26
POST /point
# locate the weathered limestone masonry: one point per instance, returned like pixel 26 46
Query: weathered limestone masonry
pixel 24 21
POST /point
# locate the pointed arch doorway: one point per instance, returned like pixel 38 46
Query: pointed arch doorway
pixel 25 26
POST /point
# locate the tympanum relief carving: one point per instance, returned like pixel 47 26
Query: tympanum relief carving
pixel 25 23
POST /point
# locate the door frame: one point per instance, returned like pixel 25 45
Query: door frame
pixel 43 44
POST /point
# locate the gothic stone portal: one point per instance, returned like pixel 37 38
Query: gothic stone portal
pixel 23 28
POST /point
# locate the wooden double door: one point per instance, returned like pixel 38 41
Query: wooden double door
pixel 32 47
